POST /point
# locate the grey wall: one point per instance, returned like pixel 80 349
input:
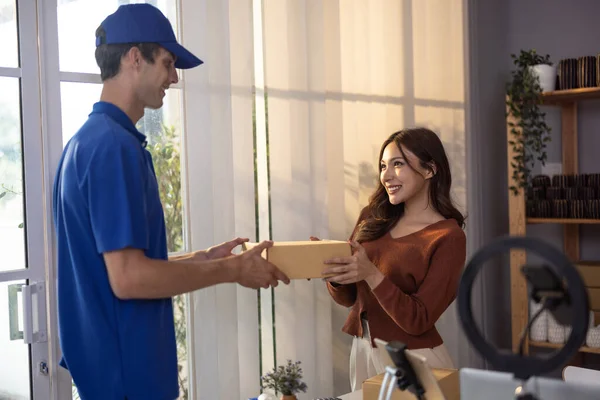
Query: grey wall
pixel 563 30
pixel 556 27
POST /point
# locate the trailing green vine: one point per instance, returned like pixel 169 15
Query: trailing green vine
pixel 529 130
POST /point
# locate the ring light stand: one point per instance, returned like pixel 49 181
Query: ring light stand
pixel 557 285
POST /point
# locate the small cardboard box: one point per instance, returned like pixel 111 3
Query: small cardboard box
pixel 303 259
pixel 447 379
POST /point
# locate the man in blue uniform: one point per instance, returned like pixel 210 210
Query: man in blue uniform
pixel 115 281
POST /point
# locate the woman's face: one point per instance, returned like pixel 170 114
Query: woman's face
pixel 400 180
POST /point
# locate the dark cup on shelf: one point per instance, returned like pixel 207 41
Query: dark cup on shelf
pixel 593 180
pixel 579 180
pixel 560 209
pixel 587 72
pixel 567 73
pixel 578 209
pixel 544 209
pixel 571 193
pixel 560 181
pixel 587 193
pixel 554 193
pixel 538 193
pixel 593 209
pixel 541 181
pixel 531 209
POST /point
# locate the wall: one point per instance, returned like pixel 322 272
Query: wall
pixel 561 29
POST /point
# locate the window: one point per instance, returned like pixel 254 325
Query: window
pixel 12 239
pixel 14 363
pixel 9 53
pixel 81 87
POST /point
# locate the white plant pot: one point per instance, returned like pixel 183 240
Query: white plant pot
pixel 568 330
pixel 592 339
pixel 539 328
pixel 547 75
pixel 556 332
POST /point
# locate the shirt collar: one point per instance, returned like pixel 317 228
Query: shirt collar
pixel 119 117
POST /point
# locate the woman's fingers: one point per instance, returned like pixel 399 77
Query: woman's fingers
pixel 343 279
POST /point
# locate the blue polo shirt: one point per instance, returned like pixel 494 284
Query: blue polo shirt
pixel 106 198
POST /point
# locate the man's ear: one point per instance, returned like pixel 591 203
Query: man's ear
pixel 133 57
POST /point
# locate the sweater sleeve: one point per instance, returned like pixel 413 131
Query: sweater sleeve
pixel 345 295
pixel 417 313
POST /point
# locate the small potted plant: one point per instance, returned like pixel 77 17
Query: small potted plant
pixel 285 380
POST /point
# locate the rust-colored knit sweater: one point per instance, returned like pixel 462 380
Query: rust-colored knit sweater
pixel 422 271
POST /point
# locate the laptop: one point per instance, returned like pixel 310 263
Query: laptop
pixel 477 384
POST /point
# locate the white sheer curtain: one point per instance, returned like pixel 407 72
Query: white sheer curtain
pixel 223 319
pixel 339 77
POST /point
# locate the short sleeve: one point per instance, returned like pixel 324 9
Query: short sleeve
pixel 116 196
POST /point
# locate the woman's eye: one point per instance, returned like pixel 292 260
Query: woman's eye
pixel 382 167
pixel 398 163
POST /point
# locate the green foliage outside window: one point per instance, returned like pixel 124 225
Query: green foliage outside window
pixel 166 155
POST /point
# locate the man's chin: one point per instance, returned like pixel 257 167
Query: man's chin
pixel 154 106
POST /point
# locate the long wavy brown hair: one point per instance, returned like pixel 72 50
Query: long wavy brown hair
pixel 380 216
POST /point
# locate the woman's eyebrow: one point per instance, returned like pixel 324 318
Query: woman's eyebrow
pixel 394 158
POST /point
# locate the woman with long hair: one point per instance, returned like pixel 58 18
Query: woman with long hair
pixel 409 249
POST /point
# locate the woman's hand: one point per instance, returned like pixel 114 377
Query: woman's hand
pixel 358 267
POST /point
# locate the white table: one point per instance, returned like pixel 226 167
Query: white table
pixel 352 396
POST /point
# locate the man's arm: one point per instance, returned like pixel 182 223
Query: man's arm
pixel 132 275
pixel 219 251
pixel 199 255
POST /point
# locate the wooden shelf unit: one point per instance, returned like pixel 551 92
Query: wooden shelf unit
pixel 549 345
pixel 562 221
pixel 567 100
pixel 560 97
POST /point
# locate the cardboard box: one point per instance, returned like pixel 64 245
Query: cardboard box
pixel 447 380
pixel 303 259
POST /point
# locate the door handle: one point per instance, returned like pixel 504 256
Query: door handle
pixel 33 306
pixel 13 311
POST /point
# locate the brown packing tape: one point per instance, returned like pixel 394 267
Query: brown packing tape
pixel 303 259
pixel 447 379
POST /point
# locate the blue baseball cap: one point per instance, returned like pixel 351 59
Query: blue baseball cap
pixel 144 23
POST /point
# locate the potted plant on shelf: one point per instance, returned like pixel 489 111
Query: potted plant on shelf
pixel 542 67
pixel 529 130
pixel 285 379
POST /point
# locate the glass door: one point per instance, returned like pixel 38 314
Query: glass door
pixel 24 372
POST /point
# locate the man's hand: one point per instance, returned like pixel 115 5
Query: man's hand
pixel 253 271
pixel 224 249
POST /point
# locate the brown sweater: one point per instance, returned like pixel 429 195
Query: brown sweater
pixel 422 271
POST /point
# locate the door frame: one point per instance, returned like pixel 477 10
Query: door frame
pixel 38 249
